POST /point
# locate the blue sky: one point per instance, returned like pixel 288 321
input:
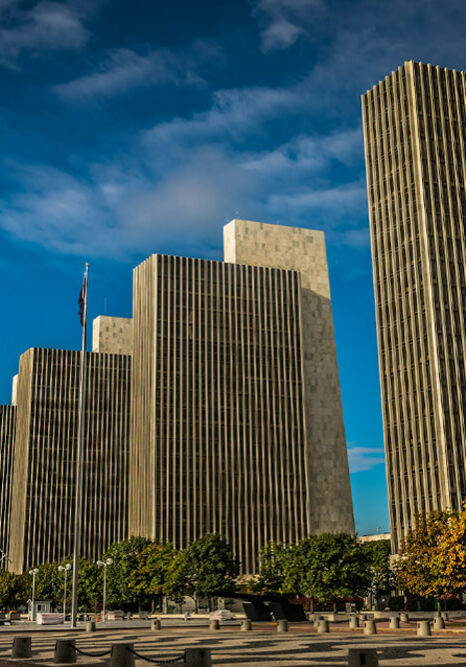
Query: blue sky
pixel 128 128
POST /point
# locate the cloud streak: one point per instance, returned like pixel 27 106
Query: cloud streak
pixel 362 459
pixel 122 70
pixel 46 26
pixel 148 194
pixel 286 21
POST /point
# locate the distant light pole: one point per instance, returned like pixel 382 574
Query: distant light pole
pixel 103 564
pixel 33 574
pixel 64 568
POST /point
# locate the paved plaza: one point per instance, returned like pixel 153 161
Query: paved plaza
pixel 301 646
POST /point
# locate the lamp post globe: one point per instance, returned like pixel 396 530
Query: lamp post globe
pixel 64 568
pixel 33 573
pixel 104 564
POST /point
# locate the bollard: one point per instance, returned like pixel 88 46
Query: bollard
pixel 404 617
pixel 121 655
pixel 64 651
pixel 362 656
pixel 439 623
pixel 354 622
pixel 246 625
pixel 282 626
pixel 423 629
pixel 316 620
pixel 394 622
pixel 214 625
pixel 197 657
pixel 323 626
pixel 155 624
pixel 21 647
pixel 370 628
pixel 90 626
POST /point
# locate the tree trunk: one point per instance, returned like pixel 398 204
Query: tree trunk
pixel 196 603
pixel 334 607
pixel 164 605
pixel 312 605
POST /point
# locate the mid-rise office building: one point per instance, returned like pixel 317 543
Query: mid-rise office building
pixel 43 489
pixel 237 423
pixel 415 143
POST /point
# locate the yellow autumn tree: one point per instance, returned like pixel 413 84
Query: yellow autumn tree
pixel 432 560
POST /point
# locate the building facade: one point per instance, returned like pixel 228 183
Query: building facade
pixel 237 423
pixel 42 504
pixel 7 445
pixel 415 145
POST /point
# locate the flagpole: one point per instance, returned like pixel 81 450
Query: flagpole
pixel 79 453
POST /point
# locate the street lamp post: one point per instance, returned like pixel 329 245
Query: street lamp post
pixel 33 574
pixel 64 568
pixel 103 564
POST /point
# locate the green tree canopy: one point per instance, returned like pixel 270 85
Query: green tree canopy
pixel 148 580
pixel 279 568
pixel 332 567
pixel 378 556
pixel 48 583
pixel 126 557
pixel 176 584
pixel 8 599
pixel 206 567
pixel 89 586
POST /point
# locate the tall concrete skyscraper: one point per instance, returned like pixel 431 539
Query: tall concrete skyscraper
pixel 415 142
pixel 236 417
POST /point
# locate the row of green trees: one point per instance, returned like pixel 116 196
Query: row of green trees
pixel 141 575
pixel 327 568
pixel 144 573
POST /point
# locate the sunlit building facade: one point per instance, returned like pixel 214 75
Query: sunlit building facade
pixel 415 142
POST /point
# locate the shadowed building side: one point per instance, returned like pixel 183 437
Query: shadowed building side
pixel 45 448
pixel 7 444
pixel 246 242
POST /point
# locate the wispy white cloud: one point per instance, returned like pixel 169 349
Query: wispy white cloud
pixel 286 21
pixel 195 172
pixel 54 209
pixel 365 458
pixel 280 35
pixel 340 197
pixel 310 152
pixel 146 197
pixel 124 69
pixel 44 26
pixel 234 114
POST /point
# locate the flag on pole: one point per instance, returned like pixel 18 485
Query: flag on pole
pixel 82 299
pixel 80 450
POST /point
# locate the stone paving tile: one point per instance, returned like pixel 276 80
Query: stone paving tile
pixel 301 647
